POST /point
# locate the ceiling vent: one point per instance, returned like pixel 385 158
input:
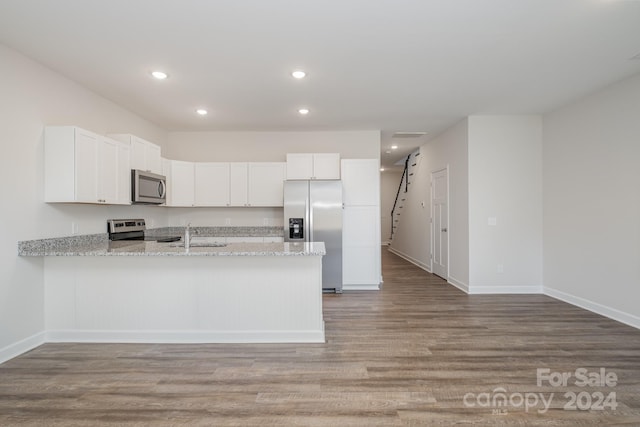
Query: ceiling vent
pixel 408 134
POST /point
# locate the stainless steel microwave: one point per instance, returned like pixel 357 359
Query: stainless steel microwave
pixel 148 188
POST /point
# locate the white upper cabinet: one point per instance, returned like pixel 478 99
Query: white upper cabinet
pixel 361 182
pixel 145 155
pixel 108 171
pixel 180 183
pixel 313 166
pixel 212 184
pixel 238 184
pixel 266 184
pixel 224 184
pixel 83 167
pixel 124 174
pixel 256 184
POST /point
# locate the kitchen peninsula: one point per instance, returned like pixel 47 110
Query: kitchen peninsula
pixel 146 291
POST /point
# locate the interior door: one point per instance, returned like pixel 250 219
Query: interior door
pixel 440 222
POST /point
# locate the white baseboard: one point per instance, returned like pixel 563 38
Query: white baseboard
pixel 20 347
pixel 412 260
pixel 611 313
pixel 458 284
pixel 360 287
pixel 505 290
pixel 185 337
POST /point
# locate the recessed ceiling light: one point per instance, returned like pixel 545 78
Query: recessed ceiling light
pixel 298 74
pixel 202 111
pixel 394 147
pixel 381 169
pixel 160 75
pixel 303 111
pixel 388 151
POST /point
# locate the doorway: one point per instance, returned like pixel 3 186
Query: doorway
pixel 440 223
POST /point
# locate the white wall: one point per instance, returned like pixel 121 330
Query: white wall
pixel 389 183
pixel 505 184
pixel 413 235
pixel 32 97
pixel 269 146
pixel 591 174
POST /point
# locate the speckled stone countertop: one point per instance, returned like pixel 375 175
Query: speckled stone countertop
pixel 99 244
pixel 152 248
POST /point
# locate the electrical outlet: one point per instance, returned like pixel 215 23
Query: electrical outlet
pixel 500 268
pixel 265 221
pixel 74 228
pixel 227 221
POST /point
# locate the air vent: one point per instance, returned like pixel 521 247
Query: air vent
pixel 408 134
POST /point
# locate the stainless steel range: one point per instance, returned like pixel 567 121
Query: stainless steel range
pixel 134 229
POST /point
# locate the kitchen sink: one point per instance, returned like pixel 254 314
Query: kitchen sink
pixel 202 242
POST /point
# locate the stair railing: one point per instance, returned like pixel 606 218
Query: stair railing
pixel 405 177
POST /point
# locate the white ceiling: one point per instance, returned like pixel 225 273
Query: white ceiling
pixel 393 65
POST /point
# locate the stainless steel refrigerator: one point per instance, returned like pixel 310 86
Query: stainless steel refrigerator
pixel 313 213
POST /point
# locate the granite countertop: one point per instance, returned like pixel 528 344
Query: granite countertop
pixel 100 245
pixel 151 248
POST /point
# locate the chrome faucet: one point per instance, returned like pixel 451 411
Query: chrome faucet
pixel 187 236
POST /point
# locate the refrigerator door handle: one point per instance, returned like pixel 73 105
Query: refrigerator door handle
pixel 310 224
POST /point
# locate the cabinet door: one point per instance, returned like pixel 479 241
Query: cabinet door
pixel 266 184
pixel 360 246
pixel 107 171
pixel 326 166
pixel 86 167
pixel 212 184
pixel 181 183
pixel 238 180
pixel 138 153
pixel 153 159
pixel 124 174
pixel 361 182
pixel 299 166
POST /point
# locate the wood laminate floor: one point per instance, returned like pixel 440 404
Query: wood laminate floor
pixel 419 352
